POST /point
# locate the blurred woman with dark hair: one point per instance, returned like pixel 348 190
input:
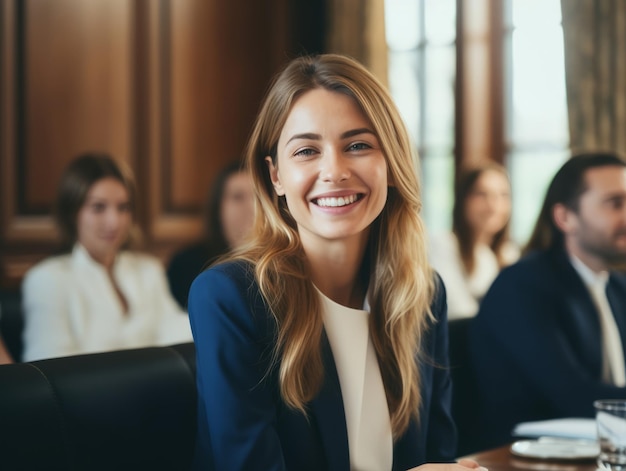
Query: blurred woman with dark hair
pixel 96 296
pixel 469 258
pixel 228 219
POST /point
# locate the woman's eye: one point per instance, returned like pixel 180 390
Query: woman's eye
pixel 359 146
pixel 304 152
pixel 617 203
pixel 98 207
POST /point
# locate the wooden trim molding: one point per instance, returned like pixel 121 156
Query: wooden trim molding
pixel 480 113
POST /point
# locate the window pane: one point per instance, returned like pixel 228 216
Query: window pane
pixel 532 172
pixel 539 101
pixel 405 89
pixel 422 69
pixel 536 13
pixel 437 172
pixel 402 24
pixel 440 21
pixel 536 106
pixel 439 119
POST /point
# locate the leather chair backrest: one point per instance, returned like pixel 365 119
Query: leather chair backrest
pixel 12 321
pixel 464 390
pixel 123 410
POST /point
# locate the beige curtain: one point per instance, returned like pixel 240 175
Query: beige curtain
pixel 595 65
pixel 357 28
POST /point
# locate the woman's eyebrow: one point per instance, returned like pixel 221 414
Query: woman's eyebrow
pixel 356 132
pixel 317 137
pixel 306 135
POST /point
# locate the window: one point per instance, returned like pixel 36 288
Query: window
pixel 537 135
pixel 422 55
pixel 422 46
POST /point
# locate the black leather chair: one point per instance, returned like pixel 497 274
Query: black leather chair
pixel 136 409
pixel 464 392
pixel 124 410
pixel 12 321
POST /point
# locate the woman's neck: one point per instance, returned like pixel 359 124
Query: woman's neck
pixel 335 270
pixel 484 239
pixel 105 259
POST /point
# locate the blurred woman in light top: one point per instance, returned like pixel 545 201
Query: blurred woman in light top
pixel 96 296
pixel 228 218
pixel 471 256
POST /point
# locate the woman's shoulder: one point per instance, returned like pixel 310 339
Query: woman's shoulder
pixel 49 269
pixel 443 242
pixel 237 273
pixel 510 252
pixel 141 260
pixel 438 302
pixel 191 255
pixel 229 287
pixel 444 255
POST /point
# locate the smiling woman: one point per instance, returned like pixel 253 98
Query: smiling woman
pixel 97 297
pixel 316 341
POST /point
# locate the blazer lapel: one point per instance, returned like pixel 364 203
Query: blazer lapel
pixel 585 313
pixel 616 295
pixel 327 407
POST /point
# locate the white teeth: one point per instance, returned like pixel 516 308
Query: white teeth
pixel 335 202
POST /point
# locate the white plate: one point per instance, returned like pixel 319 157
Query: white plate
pixel 556 448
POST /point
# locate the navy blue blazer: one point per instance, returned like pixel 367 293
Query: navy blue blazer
pixel 536 345
pixel 243 424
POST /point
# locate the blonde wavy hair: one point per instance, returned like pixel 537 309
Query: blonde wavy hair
pixel 401 285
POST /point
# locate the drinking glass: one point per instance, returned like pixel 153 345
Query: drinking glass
pixel 611 424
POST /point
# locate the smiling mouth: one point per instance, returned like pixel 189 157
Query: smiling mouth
pixel 109 237
pixel 336 202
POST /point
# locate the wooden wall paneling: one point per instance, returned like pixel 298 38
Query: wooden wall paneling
pixel 77 89
pixel 13 226
pixel 166 229
pixel 66 88
pixel 172 87
pixel 11 267
pixel 219 70
pixel 217 59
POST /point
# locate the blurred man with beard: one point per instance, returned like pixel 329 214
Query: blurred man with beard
pixel 550 334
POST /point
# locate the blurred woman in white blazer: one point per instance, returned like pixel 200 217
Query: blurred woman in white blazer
pixel 97 296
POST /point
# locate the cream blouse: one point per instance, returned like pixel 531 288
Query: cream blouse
pixel 71 307
pixel 367 414
pixel 465 292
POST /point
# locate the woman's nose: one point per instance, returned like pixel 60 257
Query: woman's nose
pixel 114 218
pixel 334 166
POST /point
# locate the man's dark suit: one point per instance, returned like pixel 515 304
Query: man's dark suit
pixel 536 345
pixel 243 422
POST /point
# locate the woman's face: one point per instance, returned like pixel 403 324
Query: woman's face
pixel 104 221
pixel 488 205
pixel 330 168
pixel 237 208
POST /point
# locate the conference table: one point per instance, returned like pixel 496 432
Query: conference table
pixel 501 459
